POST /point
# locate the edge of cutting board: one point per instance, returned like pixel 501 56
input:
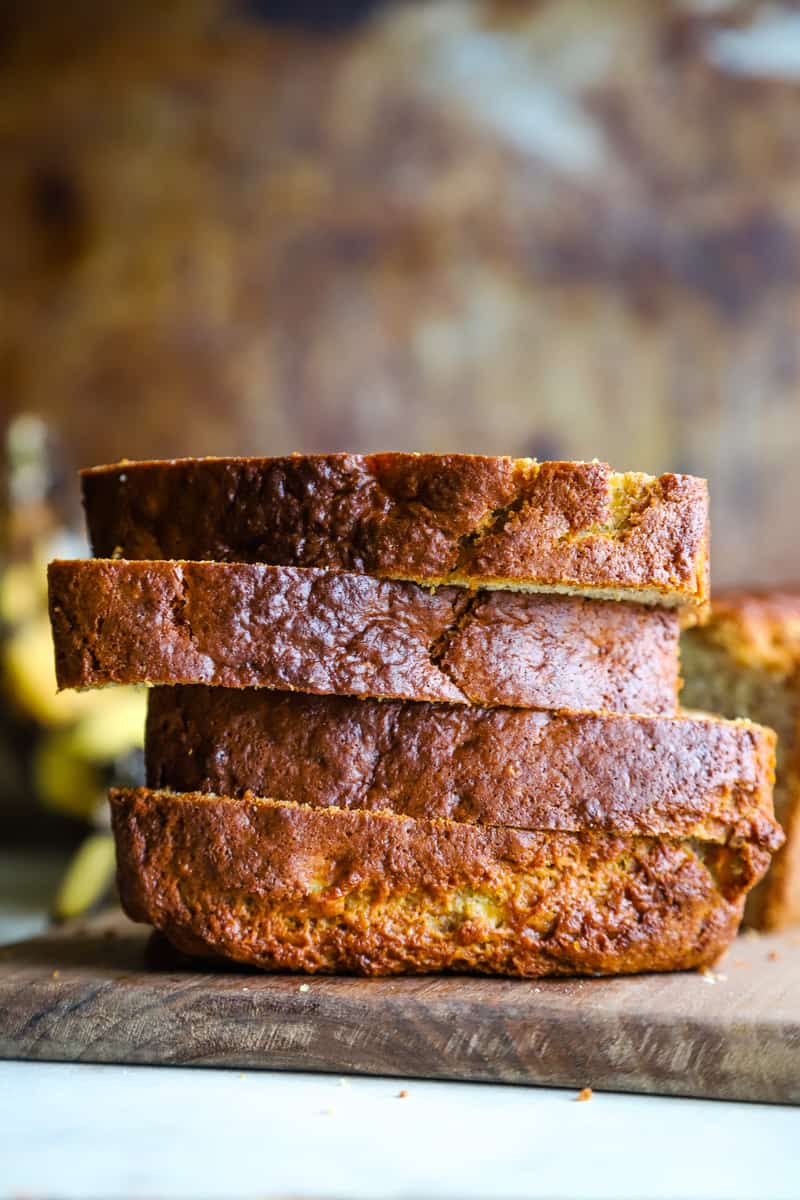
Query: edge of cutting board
pixel 107 991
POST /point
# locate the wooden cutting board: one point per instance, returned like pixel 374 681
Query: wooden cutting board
pixel 108 991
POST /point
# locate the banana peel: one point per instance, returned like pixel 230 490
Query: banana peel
pixel 88 877
pixel 30 682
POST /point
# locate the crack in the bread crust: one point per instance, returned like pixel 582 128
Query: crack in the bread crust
pixel 494 521
pixel 626 510
pixel 464 607
pixel 94 657
pixel 179 606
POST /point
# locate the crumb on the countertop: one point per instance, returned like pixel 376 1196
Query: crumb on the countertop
pixel 304 987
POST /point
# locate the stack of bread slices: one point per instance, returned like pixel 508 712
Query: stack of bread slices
pixel 416 713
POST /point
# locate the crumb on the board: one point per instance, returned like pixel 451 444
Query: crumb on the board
pixel 584 1094
pixel 56 974
pixel 710 976
pixel 773 956
pixel 401 1095
pixel 344 1083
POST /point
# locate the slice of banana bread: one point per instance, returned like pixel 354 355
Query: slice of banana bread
pixel 746 663
pixel 247 625
pixel 568 771
pixel 285 886
pixel 433 518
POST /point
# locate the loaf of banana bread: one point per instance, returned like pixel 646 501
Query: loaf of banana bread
pixel 567 771
pixel 248 625
pixel 286 886
pixel 433 518
pixel 746 663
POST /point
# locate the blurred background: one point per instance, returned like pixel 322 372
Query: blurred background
pixel 563 229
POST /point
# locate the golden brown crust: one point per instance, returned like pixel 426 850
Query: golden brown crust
pixel 246 625
pixel 679 777
pixel 746 662
pixel 285 886
pixel 759 627
pixel 448 518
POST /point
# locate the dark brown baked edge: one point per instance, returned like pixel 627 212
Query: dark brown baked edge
pixel 288 887
pixel 475 521
pixel 674 776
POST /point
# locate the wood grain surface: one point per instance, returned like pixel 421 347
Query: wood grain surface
pixel 108 991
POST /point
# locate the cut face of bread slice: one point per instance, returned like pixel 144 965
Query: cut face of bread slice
pixel 326 632
pixel 672 776
pixel 746 662
pixel 289 887
pixel 567 527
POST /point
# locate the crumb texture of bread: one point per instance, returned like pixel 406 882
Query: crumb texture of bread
pixel 330 632
pixel 288 887
pixel 432 518
pixel 669 776
pixel 746 663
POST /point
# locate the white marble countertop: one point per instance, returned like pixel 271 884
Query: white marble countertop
pixel 88 1131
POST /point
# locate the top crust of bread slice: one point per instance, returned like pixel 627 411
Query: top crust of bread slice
pixel 473 521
